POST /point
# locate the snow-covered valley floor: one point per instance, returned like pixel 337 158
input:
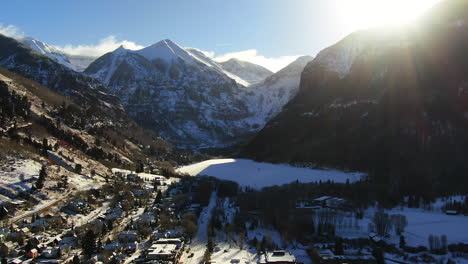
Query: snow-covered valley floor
pixel 258 174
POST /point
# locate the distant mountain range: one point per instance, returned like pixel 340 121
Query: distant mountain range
pixel 189 99
pixel 183 94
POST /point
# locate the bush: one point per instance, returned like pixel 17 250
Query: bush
pixel 415 250
pixel 460 247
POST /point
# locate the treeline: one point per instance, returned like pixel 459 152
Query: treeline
pixel 12 105
pixel 276 206
pixel 459 206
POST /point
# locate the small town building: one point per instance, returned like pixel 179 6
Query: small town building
pixel 162 252
pixel 50 253
pixel 33 253
pixel 452 212
pixel 131 247
pixel 277 256
pixel 128 236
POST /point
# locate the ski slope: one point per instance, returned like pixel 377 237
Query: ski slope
pixel 258 175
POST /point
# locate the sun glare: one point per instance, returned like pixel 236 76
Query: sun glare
pixel 361 14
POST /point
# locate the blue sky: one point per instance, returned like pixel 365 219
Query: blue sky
pixel 272 29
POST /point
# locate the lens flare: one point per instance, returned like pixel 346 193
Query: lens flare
pixel 361 14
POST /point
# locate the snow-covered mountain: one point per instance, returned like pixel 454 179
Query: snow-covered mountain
pixel 269 96
pixel 183 94
pixel 250 72
pixel 74 62
pixel 87 91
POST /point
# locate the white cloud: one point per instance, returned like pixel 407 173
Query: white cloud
pixel 274 64
pixel 11 31
pixel 105 45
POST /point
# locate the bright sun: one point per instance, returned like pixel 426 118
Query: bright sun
pixel 360 14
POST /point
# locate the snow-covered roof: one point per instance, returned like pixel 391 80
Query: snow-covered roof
pixel 279 256
pixel 128 233
pixel 326 254
pixel 169 241
pixel 323 198
pixel 161 250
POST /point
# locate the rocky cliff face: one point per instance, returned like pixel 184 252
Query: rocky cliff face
pixel 385 101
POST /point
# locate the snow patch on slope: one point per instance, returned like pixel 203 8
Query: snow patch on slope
pixel 249 72
pixel 269 97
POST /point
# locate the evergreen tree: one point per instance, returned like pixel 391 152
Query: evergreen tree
pixel 339 246
pixel 99 245
pixel 78 168
pixel 402 242
pixel 378 255
pixel 42 176
pixel 88 243
pixel 140 167
pixel 45 147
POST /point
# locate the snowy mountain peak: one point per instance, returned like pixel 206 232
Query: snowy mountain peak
pixel 120 49
pixel 39 46
pixel 74 62
pixel 232 60
pixel 166 50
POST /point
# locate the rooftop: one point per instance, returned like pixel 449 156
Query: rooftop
pixel 323 198
pixel 278 256
pixel 162 250
pixel 169 241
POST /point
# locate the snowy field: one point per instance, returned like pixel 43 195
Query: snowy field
pixel 259 175
pixel 421 224
pixel 18 175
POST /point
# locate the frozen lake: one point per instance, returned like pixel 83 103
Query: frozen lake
pixel 258 174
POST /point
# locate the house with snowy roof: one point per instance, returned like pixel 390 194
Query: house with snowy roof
pixel 162 252
pixel 128 236
pixel 278 257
